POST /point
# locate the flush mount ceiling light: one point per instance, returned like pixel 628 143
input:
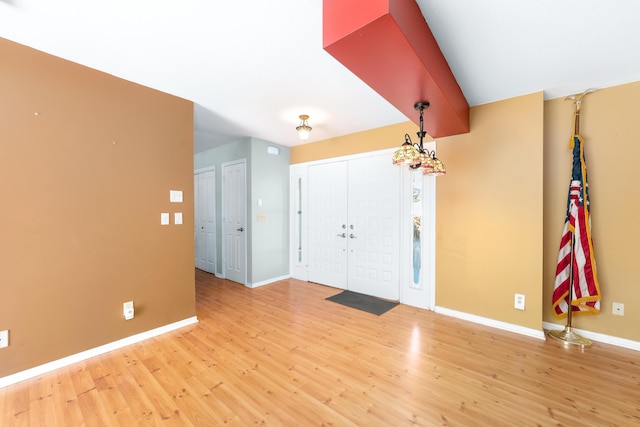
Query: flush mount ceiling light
pixel 415 155
pixel 304 129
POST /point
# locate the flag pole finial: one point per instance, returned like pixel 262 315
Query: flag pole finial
pixel 577 106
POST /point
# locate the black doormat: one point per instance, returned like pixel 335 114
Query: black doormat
pixel 363 302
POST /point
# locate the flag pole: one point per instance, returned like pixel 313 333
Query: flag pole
pixel 567 335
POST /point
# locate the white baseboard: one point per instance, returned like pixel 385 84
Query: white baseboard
pixel 492 322
pixel 595 336
pixel 78 357
pixel 266 282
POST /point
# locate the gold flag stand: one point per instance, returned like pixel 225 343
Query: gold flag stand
pixel 567 335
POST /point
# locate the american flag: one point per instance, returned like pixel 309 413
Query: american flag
pixel 576 247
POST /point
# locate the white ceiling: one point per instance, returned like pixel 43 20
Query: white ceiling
pixel 253 66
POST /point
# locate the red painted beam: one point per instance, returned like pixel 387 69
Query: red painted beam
pixel 389 46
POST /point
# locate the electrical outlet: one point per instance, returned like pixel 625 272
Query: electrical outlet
pixel 127 310
pixel 617 308
pixel 4 338
pixel 518 302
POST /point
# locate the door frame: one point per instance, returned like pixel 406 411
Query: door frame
pixel 298 223
pixel 425 295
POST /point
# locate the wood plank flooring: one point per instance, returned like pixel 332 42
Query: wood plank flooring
pixel 280 355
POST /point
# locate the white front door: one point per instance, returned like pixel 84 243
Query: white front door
pixel 205 221
pixel 234 225
pixel 354 226
pixel 328 224
pixel 374 227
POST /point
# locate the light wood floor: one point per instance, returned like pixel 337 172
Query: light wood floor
pixel 282 355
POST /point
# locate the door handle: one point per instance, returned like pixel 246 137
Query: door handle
pixel 343 235
pixel 352 236
pixel 240 229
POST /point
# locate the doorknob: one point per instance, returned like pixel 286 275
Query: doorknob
pixel 353 236
pixel 342 235
pixel 240 229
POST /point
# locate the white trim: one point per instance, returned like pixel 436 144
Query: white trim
pixel 429 220
pixel 269 281
pixel 595 336
pixel 386 151
pixel 534 333
pixel 203 170
pixel 84 355
pixel 298 269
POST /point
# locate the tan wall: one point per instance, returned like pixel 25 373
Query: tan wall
pixel 501 207
pixel 83 184
pixel 611 130
pixel 489 213
pixel 361 142
pixel 489 206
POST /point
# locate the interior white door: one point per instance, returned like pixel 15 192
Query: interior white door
pixel 354 226
pixel 234 213
pixel 205 221
pixel 327 184
pixel 374 227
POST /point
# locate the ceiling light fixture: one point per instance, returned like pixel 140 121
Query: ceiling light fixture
pixel 415 155
pixel 304 129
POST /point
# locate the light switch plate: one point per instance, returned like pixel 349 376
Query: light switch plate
pixel 177 217
pixel 4 338
pixel 127 310
pixel 164 218
pixel 175 196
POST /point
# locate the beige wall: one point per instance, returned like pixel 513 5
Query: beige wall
pixel 83 184
pixel 361 142
pixel 611 129
pixel 501 207
pixel 489 213
pixel 489 207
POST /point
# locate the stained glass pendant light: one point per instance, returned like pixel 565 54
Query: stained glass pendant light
pixel 407 154
pixel 415 155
